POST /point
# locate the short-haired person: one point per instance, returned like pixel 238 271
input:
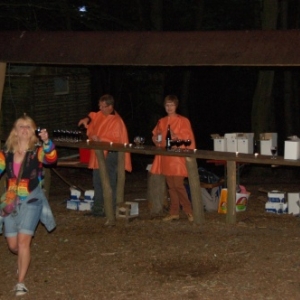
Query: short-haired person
pixel 106 125
pixel 23 157
pixel 174 167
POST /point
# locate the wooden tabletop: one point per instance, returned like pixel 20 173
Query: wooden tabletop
pixel 195 153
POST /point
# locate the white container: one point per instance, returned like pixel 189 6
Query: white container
pixel 75 194
pixel 241 201
pixel 220 145
pixel 127 209
pixel 276 197
pixel 293 203
pixel 89 194
pixel 73 204
pixel 85 205
pixel 267 141
pixel 245 143
pixel 231 142
pixel 292 150
pixel 277 208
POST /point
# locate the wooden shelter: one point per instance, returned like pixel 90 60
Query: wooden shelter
pixel 199 48
pixel 260 48
pixel 267 48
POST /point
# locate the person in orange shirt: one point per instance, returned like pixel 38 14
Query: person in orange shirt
pixel 173 167
pixel 106 125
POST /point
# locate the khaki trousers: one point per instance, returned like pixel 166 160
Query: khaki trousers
pixel 178 195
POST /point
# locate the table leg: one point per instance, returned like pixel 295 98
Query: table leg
pixel 196 195
pixel 121 178
pixel 231 192
pixel 107 192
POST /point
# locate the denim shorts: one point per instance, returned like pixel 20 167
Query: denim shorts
pixel 25 219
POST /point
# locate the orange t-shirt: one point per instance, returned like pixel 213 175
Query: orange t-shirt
pixel 172 165
pixel 109 128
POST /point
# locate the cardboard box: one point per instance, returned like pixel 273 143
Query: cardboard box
pixel 245 143
pixel 292 150
pixel 231 142
pixel 276 207
pixel 84 155
pixel 127 209
pixel 276 197
pixel 85 205
pixel 293 203
pixel 89 195
pixel 73 204
pixel 241 202
pixel 220 144
pixel 75 194
pixel 267 140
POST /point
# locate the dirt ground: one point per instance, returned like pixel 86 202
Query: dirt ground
pixel 257 258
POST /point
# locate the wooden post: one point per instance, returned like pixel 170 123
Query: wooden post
pixel 231 192
pixel 121 178
pixel 194 182
pixel 156 193
pixel 107 192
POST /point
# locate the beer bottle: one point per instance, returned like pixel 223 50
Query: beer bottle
pixel 168 138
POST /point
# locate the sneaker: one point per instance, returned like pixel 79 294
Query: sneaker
pixel 171 218
pixel 20 289
pixel 190 217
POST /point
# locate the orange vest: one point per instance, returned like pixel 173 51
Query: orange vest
pixel 172 165
pixel 109 128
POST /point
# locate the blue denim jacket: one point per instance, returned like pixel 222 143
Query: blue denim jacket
pixel 46 216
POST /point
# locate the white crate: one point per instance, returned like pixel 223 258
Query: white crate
pixel 245 145
pixel 267 141
pixel 293 203
pixel 220 144
pixel 127 210
pixel 276 207
pixel 73 204
pixel 292 150
pixel 75 194
pixel 89 195
pixel 85 205
pixel 276 197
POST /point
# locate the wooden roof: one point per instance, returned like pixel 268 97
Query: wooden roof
pixel 196 48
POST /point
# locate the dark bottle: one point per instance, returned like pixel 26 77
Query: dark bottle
pixel 256 147
pixel 168 138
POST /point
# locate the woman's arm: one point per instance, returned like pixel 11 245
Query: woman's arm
pixel 2 162
pixel 47 153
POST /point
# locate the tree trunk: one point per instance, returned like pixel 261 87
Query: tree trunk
pixel 263 105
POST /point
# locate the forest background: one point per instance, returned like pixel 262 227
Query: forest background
pixel 216 99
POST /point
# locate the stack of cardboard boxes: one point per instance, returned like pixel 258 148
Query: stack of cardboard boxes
pixel 282 203
pixel 75 203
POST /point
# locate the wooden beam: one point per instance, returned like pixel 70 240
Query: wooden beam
pixel 231 192
pixel 121 177
pixel 194 182
pixel 107 192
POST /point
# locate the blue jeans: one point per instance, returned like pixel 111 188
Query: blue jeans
pixel 111 163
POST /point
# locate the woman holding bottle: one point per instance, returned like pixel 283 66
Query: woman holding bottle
pixel 173 167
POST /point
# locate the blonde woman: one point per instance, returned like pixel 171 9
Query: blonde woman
pixel 23 161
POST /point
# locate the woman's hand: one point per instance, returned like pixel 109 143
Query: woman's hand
pixel 84 122
pixel 95 138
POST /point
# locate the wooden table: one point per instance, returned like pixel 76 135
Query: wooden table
pixel 191 157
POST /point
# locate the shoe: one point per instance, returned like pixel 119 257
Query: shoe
pixel 190 217
pixel 109 223
pixel 20 289
pixel 171 218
